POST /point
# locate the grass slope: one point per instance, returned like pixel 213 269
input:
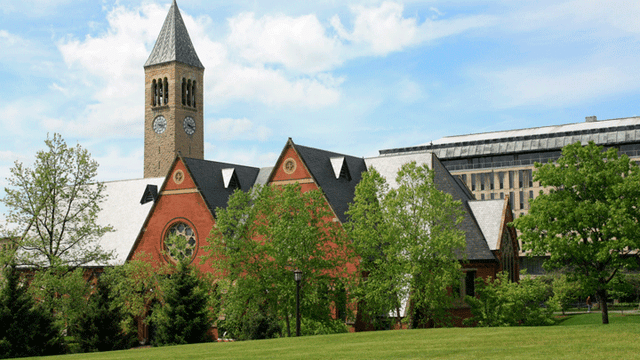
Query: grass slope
pixel 617 340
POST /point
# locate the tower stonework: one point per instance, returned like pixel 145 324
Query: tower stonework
pixel 174 120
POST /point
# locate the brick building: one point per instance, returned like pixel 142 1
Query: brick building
pixel 181 191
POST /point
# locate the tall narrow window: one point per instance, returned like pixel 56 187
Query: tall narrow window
pixel 154 90
pixel 166 91
pixel 160 92
pixel 530 177
pixel 521 200
pixel 501 179
pixel 188 92
pixel 469 283
pixel 511 175
pixel 521 181
pixel 193 94
pixel 511 199
pixel 184 91
pixel 473 182
pixel 492 180
pixel 482 176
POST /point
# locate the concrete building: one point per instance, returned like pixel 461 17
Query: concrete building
pixel 499 165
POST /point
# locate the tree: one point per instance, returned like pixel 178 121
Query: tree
pixel 184 316
pixel 27 330
pixel 259 239
pixel 588 221
pixel 53 208
pixel 409 245
pixel 100 327
pixel 63 293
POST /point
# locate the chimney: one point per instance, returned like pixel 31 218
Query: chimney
pixel 591 118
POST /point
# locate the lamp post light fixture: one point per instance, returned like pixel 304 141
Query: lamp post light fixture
pixel 297 275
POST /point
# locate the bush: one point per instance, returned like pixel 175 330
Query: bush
pixel 504 303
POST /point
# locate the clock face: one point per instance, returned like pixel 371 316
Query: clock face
pixel 189 125
pixel 159 124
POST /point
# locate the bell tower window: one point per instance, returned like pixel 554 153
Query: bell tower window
pixel 166 91
pixel 184 91
pixel 188 92
pixel 154 90
pixel 193 93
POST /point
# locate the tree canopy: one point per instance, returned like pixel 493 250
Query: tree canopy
pixel 588 219
pixel 257 242
pixel 53 207
pixel 409 245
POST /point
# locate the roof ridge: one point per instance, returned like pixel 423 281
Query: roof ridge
pixel 174 43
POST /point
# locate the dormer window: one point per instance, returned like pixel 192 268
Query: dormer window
pixel 150 194
pixel 340 168
pixel 230 179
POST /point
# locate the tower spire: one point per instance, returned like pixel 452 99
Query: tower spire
pixel 174 43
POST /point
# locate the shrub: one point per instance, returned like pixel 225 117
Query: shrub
pixel 504 303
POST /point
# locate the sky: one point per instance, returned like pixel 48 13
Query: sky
pixel 352 77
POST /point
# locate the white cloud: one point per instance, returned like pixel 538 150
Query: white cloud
pixel 409 91
pixel 298 43
pixel 237 129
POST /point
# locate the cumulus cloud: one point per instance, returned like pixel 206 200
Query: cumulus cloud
pixel 298 43
pixel 235 129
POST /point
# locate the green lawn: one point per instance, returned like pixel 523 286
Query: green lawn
pixel 617 340
pixel 596 318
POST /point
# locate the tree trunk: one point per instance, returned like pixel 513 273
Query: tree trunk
pixel 602 300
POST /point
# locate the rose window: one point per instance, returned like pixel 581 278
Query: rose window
pixel 180 242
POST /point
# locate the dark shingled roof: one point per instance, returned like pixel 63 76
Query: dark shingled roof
pixel 339 192
pixel 477 247
pixel 174 43
pixel 208 178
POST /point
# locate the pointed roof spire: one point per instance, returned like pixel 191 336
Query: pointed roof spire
pixel 174 43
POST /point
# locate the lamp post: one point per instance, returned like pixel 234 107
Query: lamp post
pixel 297 275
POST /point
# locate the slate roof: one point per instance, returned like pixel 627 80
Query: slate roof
pixel 123 211
pixel 339 192
pixel 489 216
pixel 477 248
pixel 547 138
pixel 208 178
pixel 174 43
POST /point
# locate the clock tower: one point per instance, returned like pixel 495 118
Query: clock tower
pixel 173 108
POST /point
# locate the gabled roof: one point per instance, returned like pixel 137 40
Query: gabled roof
pixel 477 248
pixel 209 178
pixel 338 191
pixel 174 43
pixel 489 216
pixel 123 211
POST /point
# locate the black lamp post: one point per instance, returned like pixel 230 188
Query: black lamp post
pixel 297 275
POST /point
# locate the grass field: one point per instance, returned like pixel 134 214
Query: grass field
pixel 577 337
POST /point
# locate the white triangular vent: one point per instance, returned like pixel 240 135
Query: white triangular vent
pixel 337 163
pixel 227 177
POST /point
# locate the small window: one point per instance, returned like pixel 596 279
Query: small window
pixel 154 91
pixel 469 283
pixel 193 94
pixel 166 91
pixel 188 92
pixel 184 91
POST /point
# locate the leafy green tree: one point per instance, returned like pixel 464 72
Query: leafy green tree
pixel 27 330
pixel 260 238
pixel 184 316
pixel 565 292
pixel 588 221
pixel 53 207
pixel 63 293
pixel 134 287
pixel 409 245
pixel 100 327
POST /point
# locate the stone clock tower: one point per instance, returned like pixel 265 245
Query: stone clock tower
pixel 173 109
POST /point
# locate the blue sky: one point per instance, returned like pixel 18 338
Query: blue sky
pixel 347 76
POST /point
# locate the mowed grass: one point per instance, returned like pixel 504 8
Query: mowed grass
pixel 618 340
